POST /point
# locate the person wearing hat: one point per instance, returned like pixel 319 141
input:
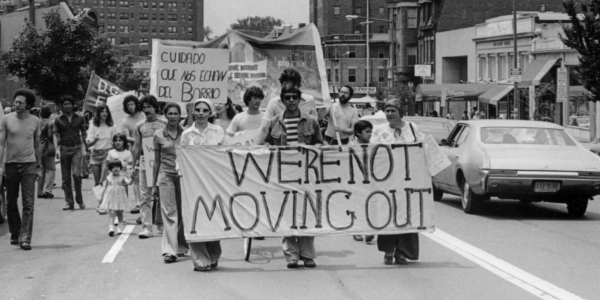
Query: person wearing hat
pixel 205 255
pixel 398 246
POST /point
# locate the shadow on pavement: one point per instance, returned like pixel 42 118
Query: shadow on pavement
pixel 513 209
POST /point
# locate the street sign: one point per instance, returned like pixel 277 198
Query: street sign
pixel 422 70
pixel 562 93
pixel 515 74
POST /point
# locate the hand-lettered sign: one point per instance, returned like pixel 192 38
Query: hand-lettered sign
pixel 184 74
pixel 234 192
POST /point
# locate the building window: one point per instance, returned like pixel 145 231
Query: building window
pixel 112 40
pixel 161 29
pixel 190 18
pixel 411 15
pixel 95 2
pixel 111 28
pixel 153 29
pixel 502 74
pixel 144 28
pixel 131 28
pixel 143 52
pixel 382 75
pixel 161 5
pixel 132 15
pixel 172 29
pixel 144 4
pixel 172 17
pixel 328 75
pixel 111 3
pixel 143 16
pixel 172 5
pixel 491 68
pixel 352 75
pixel 101 3
pixel 381 29
pixel 162 17
pixel 111 15
pixel 124 16
pixel 190 5
pixel 336 10
pixel 190 30
pixel 482 64
pixel 153 17
pixel 101 15
pixel 123 28
pixel 359 10
pixel 380 53
pixel 143 40
pixel 411 55
pixel 351 51
pixel 124 40
pixel 381 10
pixel 337 75
pixel 153 5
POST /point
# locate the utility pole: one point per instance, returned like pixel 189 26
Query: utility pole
pixel 515 57
pixel 368 50
pixel 32 11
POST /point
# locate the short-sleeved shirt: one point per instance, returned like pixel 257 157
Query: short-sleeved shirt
pixel 168 154
pixel 345 117
pixel 145 129
pixel 244 121
pixel 275 107
pixel 212 135
pixel 105 135
pixel 124 156
pixel 19 136
pixel 69 132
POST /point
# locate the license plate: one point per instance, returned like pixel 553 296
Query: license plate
pixel 546 186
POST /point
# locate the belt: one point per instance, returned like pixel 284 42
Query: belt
pixel 70 144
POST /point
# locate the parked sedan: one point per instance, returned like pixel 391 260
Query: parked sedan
pixel 439 128
pixel 523 160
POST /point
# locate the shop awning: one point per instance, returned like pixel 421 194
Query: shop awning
pixel 536 70
pixel 496 93
pixel 467 92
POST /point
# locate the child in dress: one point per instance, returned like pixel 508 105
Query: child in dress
pixel 114 196
pixel 120 152
pixel 362 131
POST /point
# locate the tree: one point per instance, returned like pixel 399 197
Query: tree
pixel 58 60
pixel 208 32
pixel 260 25
pixel 583 34
pixel 124 75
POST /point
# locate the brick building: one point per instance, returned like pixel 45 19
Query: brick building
pixel 344 44
pixel 132 24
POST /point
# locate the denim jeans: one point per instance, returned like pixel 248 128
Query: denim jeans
pixel 23 175
pixel 146 201
pixel 173 239
pixel 46 182
pixel 298 247
pixel 70 165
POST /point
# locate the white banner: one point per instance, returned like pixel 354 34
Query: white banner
pixel 248 71
pixel 148 144
pixel 242 138
pixel 183 74
pixel 304 191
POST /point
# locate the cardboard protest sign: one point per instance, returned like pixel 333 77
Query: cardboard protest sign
pixel 242 138
pixel 304 191
pixel 98 91
pixel 115 105
pixel 148 144
pixel 259 62
pixel 183 73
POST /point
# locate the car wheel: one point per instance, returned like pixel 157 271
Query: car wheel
pixel 437 193
pixel 470 201
pixel 577 207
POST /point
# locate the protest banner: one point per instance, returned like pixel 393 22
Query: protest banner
pixel 183 73
pixel 148 146
pixel 115 105
pixel 242 138
pixel 304 191
pixel 259 62
pixel 99 90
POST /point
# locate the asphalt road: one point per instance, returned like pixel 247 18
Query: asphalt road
pixel 510 251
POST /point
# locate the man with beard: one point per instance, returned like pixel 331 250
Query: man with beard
pixel 146 129
pixel 345 115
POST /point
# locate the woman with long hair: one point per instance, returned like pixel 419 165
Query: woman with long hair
pixel 225 113
pixel 99 140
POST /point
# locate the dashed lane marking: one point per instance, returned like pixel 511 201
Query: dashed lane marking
pixel 532 284
pixel 116 248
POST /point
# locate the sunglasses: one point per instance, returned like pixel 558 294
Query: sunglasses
pixel 291 97
pixel 202 110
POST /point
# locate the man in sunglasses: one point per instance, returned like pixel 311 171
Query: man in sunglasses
pixel 295 127
pixel 289 78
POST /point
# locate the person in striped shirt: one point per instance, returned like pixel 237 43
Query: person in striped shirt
pixel 295 127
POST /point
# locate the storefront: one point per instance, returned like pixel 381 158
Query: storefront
pixel 456 99
pixel 497 101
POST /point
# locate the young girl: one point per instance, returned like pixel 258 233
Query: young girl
pixel 363 130
pixel 120 152
pixel 114 196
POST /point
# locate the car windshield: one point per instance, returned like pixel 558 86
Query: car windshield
pixel 430 125
pixel 525 136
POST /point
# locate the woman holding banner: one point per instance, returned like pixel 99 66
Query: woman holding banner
pixel 398 246
pixel 205 255
pixel 166 177
pixel 99 140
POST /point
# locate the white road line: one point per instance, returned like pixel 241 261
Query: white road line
pixel 116 248
pixel 534 285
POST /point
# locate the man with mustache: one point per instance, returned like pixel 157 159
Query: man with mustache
pixel 345 115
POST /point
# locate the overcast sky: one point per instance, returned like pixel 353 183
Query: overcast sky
pixel 219 14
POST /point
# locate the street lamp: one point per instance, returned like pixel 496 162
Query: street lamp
pixel 370 20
